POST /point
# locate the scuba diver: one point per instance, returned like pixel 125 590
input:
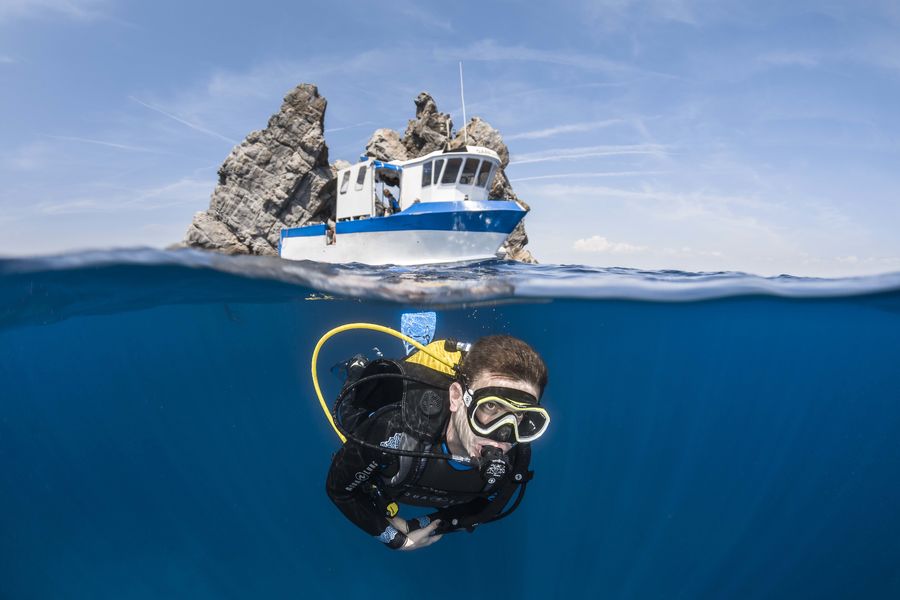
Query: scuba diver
pixel 449 427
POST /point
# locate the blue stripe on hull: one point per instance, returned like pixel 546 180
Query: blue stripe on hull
pixel 493 216
pixel 306 231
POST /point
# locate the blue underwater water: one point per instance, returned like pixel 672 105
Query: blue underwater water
pixel 713 435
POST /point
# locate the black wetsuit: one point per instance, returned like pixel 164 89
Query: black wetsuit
pixel 360 481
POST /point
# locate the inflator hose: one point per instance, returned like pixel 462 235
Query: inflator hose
pixel 348 327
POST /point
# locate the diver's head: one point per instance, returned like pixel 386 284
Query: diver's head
pixel 504 356
pixel 495 401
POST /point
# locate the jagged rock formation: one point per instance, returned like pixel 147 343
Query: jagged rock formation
pixel 385 144
pixel 430 129
pixel 280 177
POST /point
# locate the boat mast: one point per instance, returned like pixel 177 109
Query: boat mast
pixel 463 98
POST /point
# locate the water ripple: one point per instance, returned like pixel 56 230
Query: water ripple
pixel 103 281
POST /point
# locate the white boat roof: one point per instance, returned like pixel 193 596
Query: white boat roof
pixel 464 150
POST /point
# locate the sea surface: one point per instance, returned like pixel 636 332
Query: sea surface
pixel 714 435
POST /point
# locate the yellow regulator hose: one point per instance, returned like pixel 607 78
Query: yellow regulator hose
pixel 348 327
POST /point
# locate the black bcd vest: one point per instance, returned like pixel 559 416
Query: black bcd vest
pixel 425 410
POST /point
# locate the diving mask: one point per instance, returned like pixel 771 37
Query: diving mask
pixel 505 414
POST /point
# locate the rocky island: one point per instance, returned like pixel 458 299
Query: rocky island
pixel 281 177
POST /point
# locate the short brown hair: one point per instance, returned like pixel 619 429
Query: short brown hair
pixel 506 356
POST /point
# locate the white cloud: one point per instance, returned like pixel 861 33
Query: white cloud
pixel 241 100
pixel 33 156
pixel 267 81
pixel 521 90
pixel 558 154
pixel 790 59
pixel 183 191
pixel 672 205
pixel 272 79
pixel 57 154
pixel 581 175
pixel 438 20
pixel 116 145
pixel 600 244
pixel 6 59
pixel 80 10
pixel 491 51
pixel 354 126
pixel 689 252
pixel 878 51
pixel 184 122
pixel 560 129
pixel 852 264
pixel 618 14
pixel 693 225
pixel 885 263
pixel 699 230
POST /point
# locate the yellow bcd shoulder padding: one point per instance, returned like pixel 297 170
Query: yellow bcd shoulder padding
pixel 428 359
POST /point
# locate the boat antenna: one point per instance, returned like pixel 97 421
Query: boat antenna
pixel 462 96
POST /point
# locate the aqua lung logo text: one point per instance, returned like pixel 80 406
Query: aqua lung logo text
pixel 362 476
pixel 434 500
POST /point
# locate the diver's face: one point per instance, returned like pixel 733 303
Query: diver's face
pixel 472 443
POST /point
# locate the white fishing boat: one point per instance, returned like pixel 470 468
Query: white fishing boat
pixel 432 209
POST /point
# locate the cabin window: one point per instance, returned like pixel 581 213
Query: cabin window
pixel 426 174
pixel 345 181
pixel 437 169
pixel 484 174
pixel 468 172
pixel 452 170
pixel 361 177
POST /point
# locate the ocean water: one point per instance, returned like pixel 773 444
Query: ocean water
pixel 713 435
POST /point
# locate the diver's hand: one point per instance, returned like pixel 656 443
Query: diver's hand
pixel 420 538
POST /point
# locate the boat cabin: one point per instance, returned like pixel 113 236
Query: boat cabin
pixel 377 188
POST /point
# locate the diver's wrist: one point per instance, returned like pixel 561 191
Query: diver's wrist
pixel 398 542
pixel 392 538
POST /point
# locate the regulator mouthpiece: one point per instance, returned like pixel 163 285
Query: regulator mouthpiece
pixel 494 464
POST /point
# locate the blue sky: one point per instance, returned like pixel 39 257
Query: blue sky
pixel 685 134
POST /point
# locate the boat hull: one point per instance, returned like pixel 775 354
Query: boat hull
pixel 425 233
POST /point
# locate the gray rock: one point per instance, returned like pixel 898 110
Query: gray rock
pixel 479 132
pixel 514 247
pixel 429 131
pixel 278 177
pixel 208 233
pixel 339 165
pixel 385 145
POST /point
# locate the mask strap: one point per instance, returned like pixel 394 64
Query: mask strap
pixel 467 397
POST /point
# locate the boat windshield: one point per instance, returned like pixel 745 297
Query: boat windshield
pixel 484 174
pixel 451 171
pixel 468 172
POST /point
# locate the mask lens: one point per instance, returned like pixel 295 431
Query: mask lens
pixel 507 420
pixel 490 411
pixel 531 424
